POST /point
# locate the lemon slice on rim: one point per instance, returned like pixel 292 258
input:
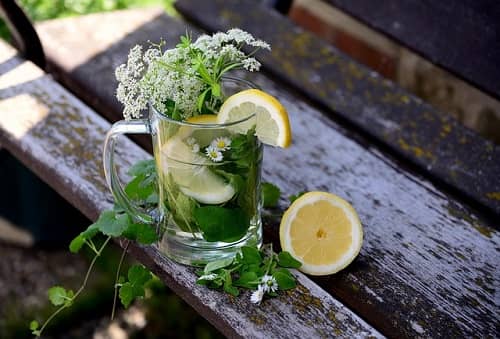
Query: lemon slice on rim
pixel 190 170
pixel 322 231
pixel 271 118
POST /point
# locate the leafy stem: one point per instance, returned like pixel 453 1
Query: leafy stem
pixel 70 297
pixel 117 277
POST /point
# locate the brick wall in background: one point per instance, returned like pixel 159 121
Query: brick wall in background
pixel 470 106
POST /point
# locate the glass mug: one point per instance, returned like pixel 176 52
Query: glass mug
pixel 209 182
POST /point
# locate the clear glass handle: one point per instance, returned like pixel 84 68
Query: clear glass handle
pixel 123 127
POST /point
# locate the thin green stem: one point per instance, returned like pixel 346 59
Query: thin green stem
pixel 118 277
pixel 87 275
pixel 91 245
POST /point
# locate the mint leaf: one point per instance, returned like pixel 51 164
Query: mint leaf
pixel 285 280
pixel 142 233
pixel 221 224
pixel 271 194
pixel 285 259
pixel 250 255
pixel 59 295
pixel 215 265
pixel 138 276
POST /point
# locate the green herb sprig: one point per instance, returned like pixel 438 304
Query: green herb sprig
pixel 248 266
pixel 263 271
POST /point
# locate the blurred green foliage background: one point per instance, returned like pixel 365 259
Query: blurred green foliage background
pixel 38 10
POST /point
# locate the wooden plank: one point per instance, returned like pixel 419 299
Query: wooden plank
pixel 432 140
pixel 428 266
pixel 60 139
pixel 460 36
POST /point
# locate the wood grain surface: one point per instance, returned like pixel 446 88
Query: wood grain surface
pixel 60 139
pixel 429 264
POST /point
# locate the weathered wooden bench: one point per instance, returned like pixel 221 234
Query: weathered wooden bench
pixel 429 264
pixel 60 139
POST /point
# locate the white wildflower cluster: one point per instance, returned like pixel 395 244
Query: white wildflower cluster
pixel 129 92
pixel 268 284
pixel 172 81
pixel 217 147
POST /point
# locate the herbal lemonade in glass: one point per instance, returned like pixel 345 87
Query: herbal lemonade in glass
pixel 209 180
pixel 207 130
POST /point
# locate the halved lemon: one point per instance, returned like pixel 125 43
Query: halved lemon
pixel 191 173
pixel 271 118
pixel 322 231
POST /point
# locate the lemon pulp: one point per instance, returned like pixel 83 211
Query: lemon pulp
pixel 322 231
pixel 271 118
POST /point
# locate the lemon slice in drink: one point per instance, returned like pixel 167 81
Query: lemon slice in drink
pixel 322 231
pixel 271 118
pixel 191 173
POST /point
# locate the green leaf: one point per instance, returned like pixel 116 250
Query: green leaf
pixel 216 91
pixel 142 168
pixel 136 189
pixel 77 243
pixel 34 325
pixel 294 197
pixel 59 295
pixel 112 224
pixel 251 255
pixel 142 233
pixel 285 259
pixel 221 224
pixel 285 281
pixel 215 265
pixel 247 280
pixel 138 276
pixel 201 99
pixel 271 194
pixel 231 290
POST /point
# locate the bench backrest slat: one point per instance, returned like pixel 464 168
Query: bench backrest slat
pixel 461 36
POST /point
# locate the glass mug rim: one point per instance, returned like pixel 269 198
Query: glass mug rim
pixel 162 116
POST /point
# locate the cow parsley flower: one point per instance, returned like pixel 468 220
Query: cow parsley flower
pixel 184 81
pixel 221 143
pixel 214 154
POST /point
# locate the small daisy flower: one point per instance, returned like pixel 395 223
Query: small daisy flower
pixel 269 283
pixel 257 295
pixel 214 154
pixel 195 148
pixel 190 141
pixel 221 143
